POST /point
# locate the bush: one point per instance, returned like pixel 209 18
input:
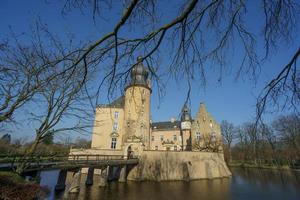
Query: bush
pixel 14 187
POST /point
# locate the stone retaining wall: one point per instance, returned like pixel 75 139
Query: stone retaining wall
pixel 168 165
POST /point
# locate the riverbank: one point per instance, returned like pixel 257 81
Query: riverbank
pixel 15 187
pixel 260 166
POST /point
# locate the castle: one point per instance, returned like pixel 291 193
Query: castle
pixel 127 121
pixel 184 149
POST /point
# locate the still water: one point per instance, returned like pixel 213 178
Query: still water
pixel 252 184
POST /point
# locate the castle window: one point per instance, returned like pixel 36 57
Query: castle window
pixel 115 126
pixel 175 137
pixel 213 137
pixel 156 147
pixel 161 138
pixel 198 136
pixel 113 143
pixel 116 114
pixel 152 138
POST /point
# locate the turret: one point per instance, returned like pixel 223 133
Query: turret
pixel 185 128
pixel 185 114
pixel 185 118
pixel 137 106
pixel 139 74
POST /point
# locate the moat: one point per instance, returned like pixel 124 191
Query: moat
pixel 244 184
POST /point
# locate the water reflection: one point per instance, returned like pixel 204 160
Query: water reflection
pixel 265 184
pixel 213 189
pixel 245 184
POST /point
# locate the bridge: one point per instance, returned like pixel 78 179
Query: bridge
pixel 75 163
pixel 52 162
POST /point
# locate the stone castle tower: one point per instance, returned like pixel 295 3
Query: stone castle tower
pixel 137 106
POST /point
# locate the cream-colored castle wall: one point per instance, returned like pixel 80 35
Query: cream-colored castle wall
pixel 137 113
pixel 205 124
pixel 182 165
pixel 103 127
pixel 168 136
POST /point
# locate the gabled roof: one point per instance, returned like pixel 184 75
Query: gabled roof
pixel 168 125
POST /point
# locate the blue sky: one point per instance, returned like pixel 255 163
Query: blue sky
pixel 229 100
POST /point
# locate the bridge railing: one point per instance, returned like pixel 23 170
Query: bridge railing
pixel 60 158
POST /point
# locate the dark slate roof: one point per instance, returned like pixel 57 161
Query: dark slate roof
pixel 118 103
pixel 165 125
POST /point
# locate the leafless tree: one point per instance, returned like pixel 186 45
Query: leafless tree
pixel 208 143
pixel 269 135
pixel 252 133
pixel 61 99
pixel 199 36
pixel 228 133
pixel 20 78
pixel 275 144
pixel 200 33
pixel 288 128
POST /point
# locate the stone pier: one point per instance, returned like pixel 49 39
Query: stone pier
pixel 61 180
pixel 90 176
pixel 122 177
pixel 75 184
pixel 103 177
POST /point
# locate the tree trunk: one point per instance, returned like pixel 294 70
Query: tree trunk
pixel 26 157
